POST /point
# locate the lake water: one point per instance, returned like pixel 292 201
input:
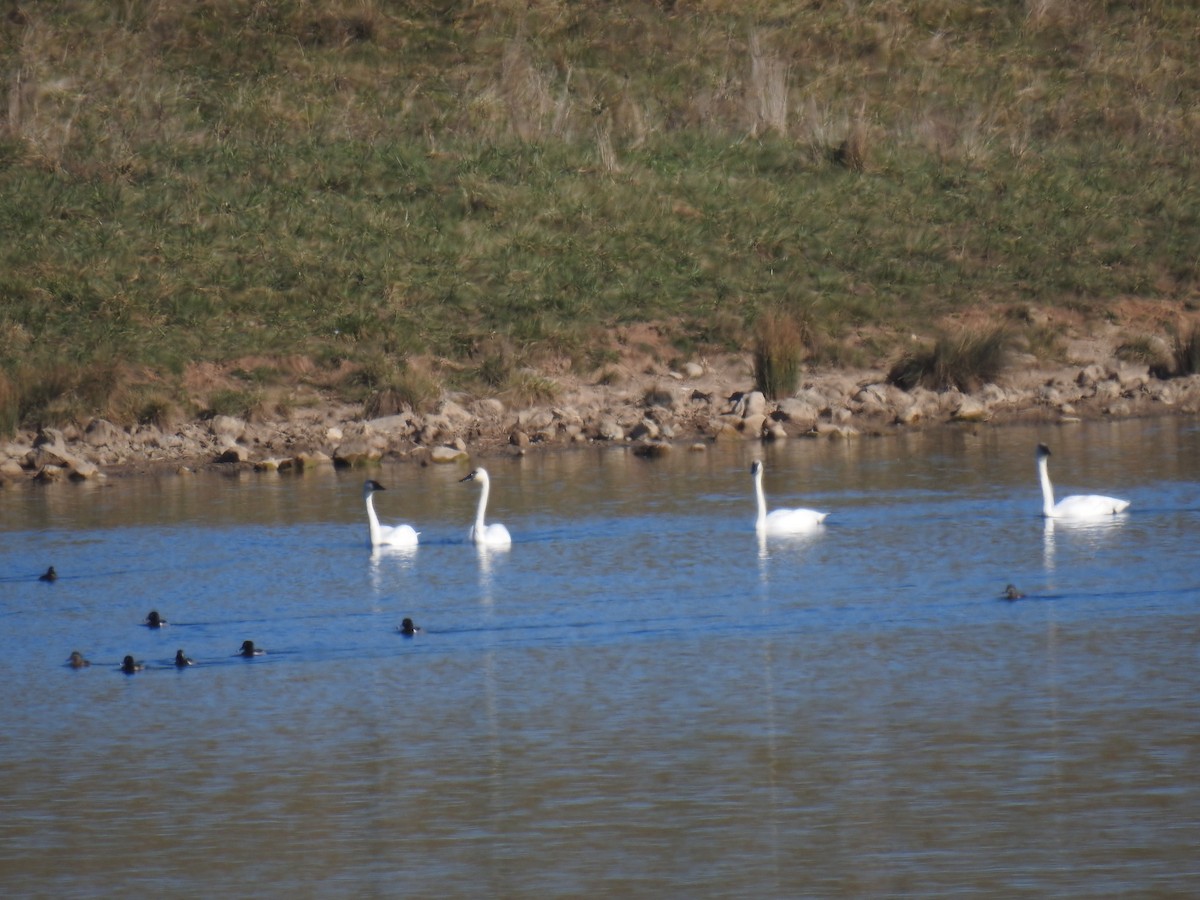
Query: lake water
pixel 639 698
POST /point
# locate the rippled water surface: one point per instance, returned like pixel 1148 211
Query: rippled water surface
pixel 639 698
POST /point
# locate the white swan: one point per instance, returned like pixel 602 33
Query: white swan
pixel 781 521
pixel 386 535
pixel 494 535
pixel 1079 506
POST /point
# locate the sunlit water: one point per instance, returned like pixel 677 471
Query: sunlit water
pixel 638 699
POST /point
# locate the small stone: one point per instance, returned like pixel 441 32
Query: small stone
pixel 652 449
pixel 234 454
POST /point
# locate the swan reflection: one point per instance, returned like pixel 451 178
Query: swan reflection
pixel 383 558
pixel 487 559
pixel 1087 534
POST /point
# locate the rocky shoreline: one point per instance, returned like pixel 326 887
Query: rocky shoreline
pixel 652 411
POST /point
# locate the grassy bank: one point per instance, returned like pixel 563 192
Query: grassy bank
pixel 375 197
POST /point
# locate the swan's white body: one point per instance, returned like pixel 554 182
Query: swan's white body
pixel 494 535
pixel 386 535
pixel 781 521
pixel 1078 506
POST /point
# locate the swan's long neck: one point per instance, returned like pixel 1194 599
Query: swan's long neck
pixel 483 499
pixel 761 522
pixel 1047 489
pixel 372 520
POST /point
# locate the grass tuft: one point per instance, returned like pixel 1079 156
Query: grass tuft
pixel 1186 352
pixel 10 405
pixel 780 344
pixel 526 388
pixel 1141 349
pixel 965 362
pixel 395 388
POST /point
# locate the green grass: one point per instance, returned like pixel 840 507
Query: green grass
pixel 207 182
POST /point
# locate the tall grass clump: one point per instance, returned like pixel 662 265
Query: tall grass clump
pixel 965 361
pixel 1141 349
pixel 10 408
pixel 780 342
pixel 1186 352
pixel 393 388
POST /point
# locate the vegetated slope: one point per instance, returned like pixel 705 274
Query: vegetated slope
pixel 360 184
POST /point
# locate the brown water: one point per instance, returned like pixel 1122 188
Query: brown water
pixel 638 699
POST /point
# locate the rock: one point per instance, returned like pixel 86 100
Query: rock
pixel 1132 378
pixel 357 453
pixel 84 471
pixel 436 428
pixel 57 456
pixel 751 404
pixel 992 394
pixel 312 460
pixel 443 454
pixel 800 413
pixel 233 454
pixel 1120 409
pixel 1050 394
pixel 226 426
pixel 773 431
pixel 1162 392
pixel 103 433
pixel 970 410
pixel 535 419
pixel 489 408
pixel 693 370
pixel 830 430
pixel 660 397
pixel 608 429
pixel 872 393
pixel 752 425
pixel 518 438
pixel 454 414
pixel 52 437
pixel 644 430
pixel 397 424
pixel 652 449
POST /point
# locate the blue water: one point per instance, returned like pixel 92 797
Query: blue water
pixel 639 698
